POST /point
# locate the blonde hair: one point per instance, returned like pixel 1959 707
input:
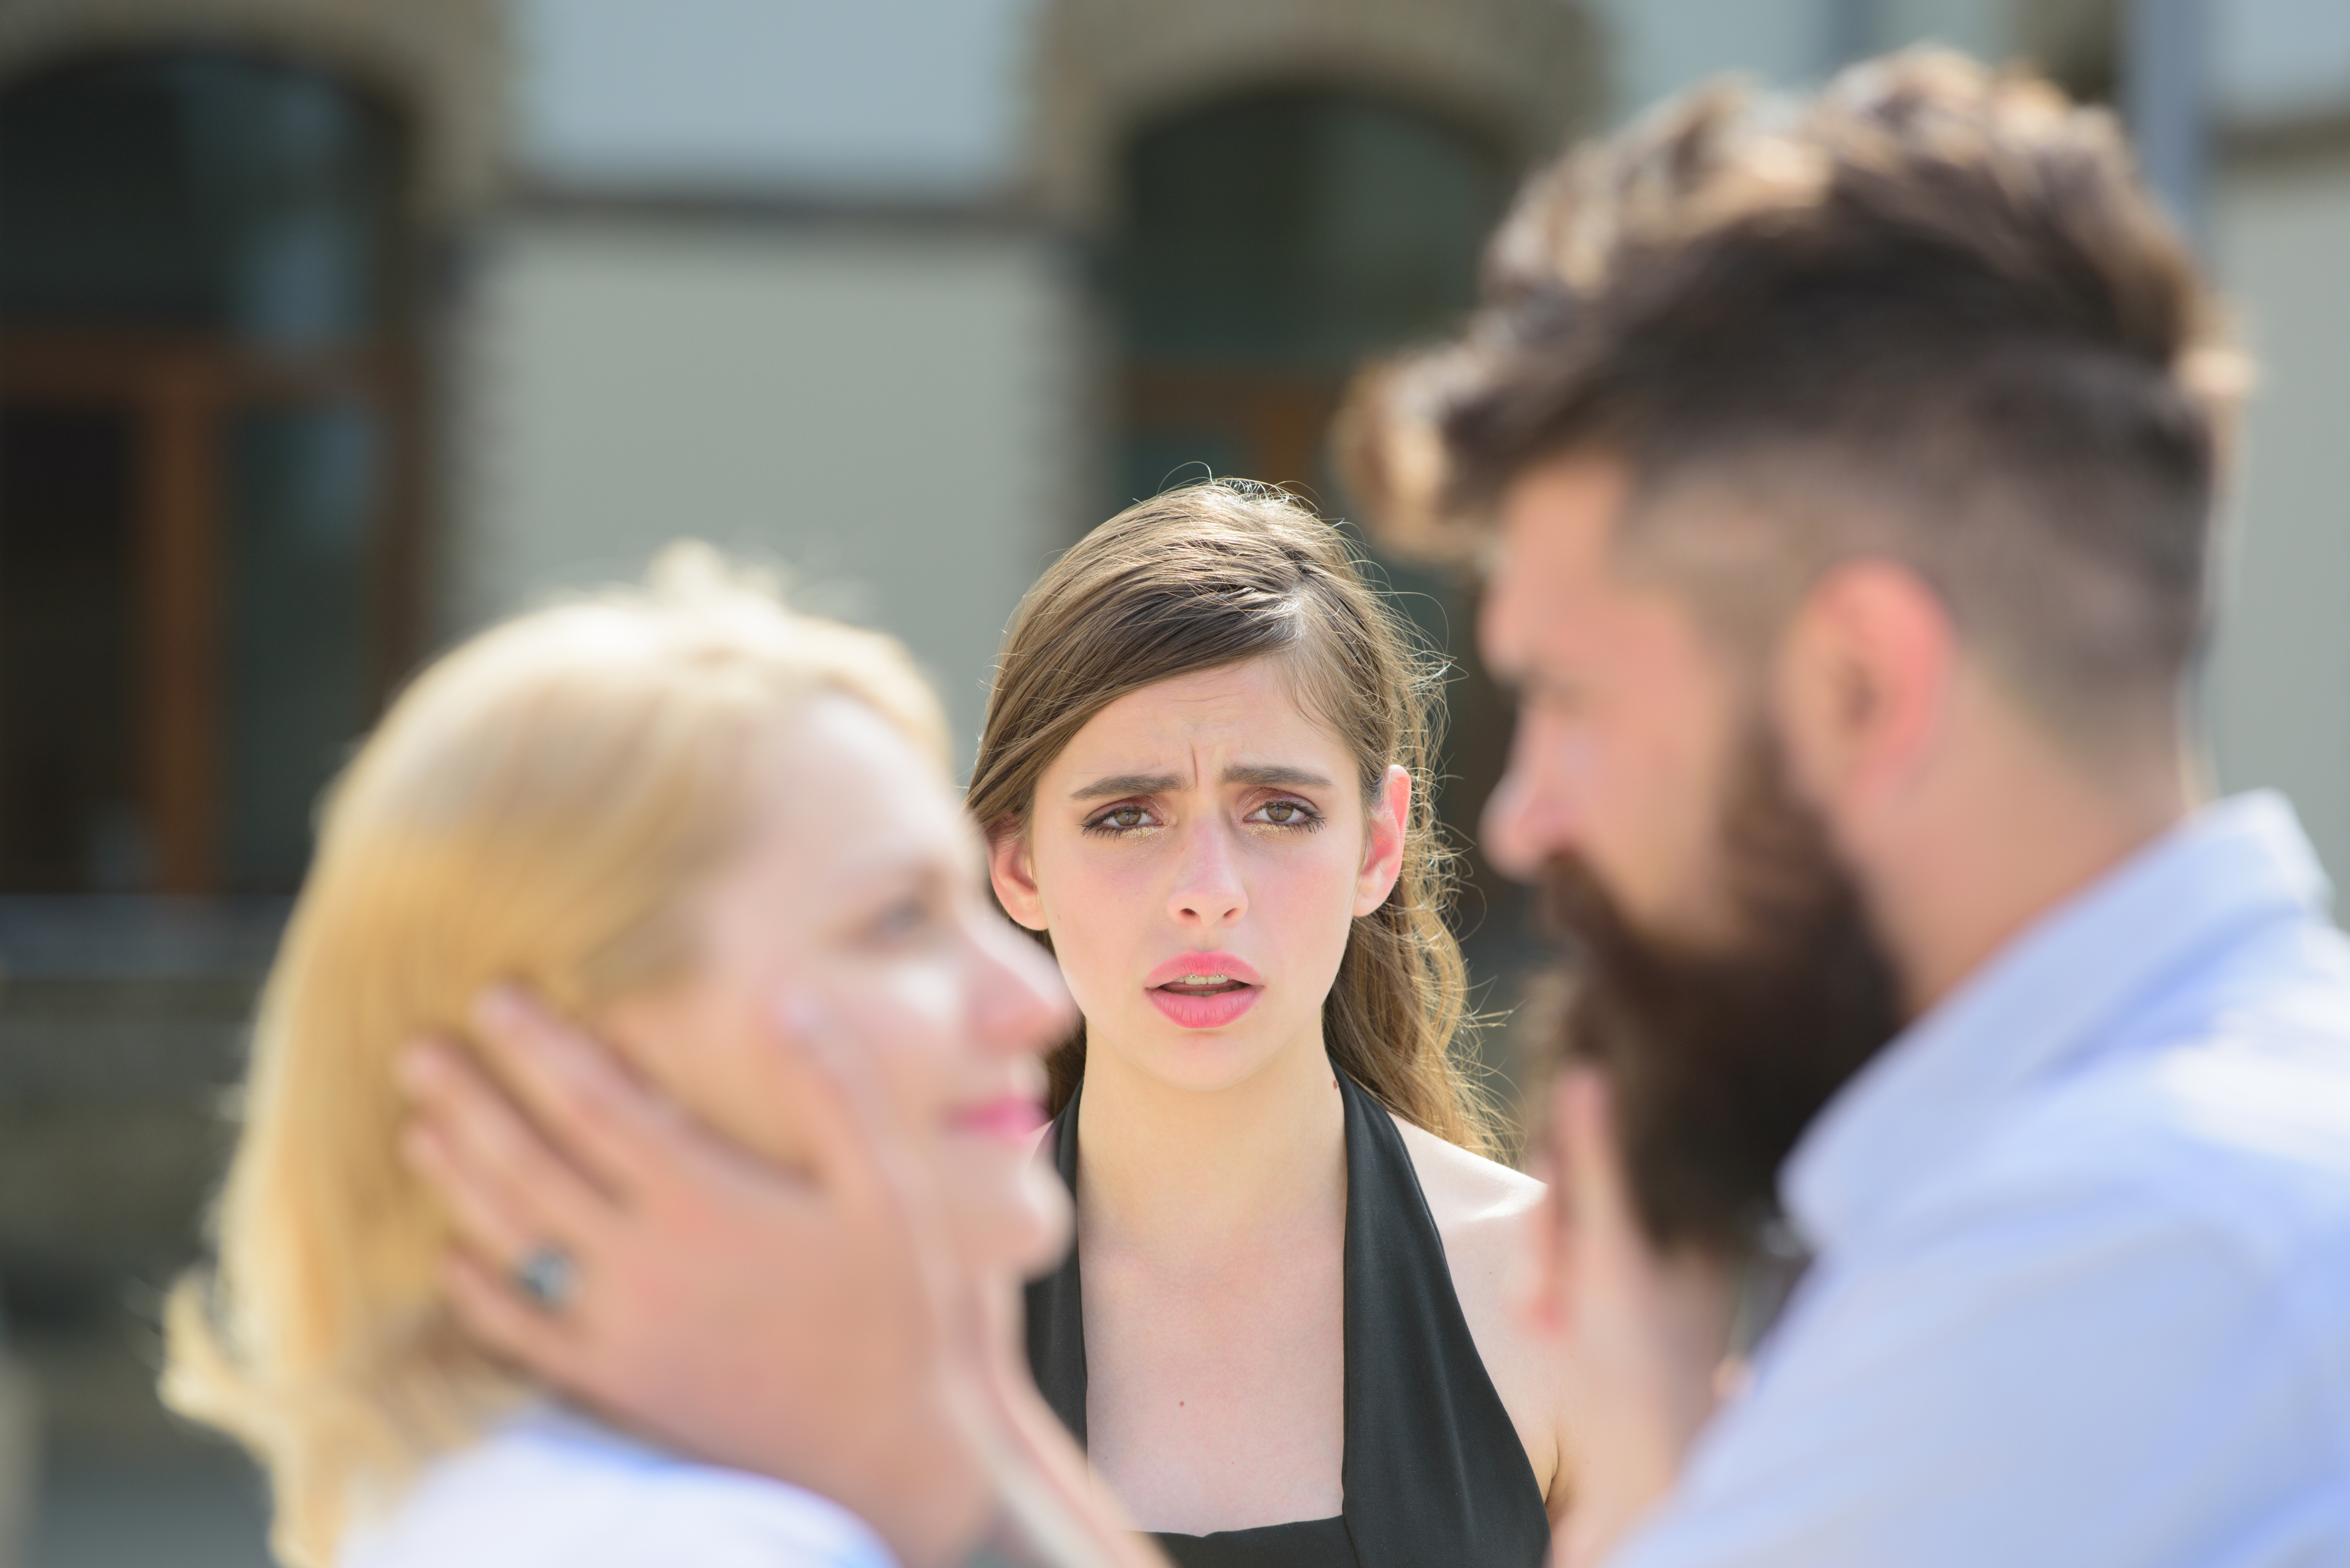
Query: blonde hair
pixel 532 810
pixel 1215 574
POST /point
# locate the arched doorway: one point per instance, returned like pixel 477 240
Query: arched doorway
pixel 206 437
pixel 1264 245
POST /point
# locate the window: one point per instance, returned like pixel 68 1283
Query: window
pixel 205 453
pixel 1266 245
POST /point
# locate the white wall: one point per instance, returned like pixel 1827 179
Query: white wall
pixel 2279 691
pixel 1659 46
pixel 870 99
pixel 1984 28
pixel 888 410
pixel 2280 58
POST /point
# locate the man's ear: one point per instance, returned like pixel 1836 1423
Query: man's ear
pixel 1383 841
pixel 1863 679
pixel 1541 1288
pixel 1012 868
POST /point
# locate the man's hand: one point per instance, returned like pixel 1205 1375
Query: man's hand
pixel 815 1327
pixel 1641 1337
pixel 793 1324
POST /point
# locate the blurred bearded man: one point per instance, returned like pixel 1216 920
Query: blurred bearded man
pixel 1844 477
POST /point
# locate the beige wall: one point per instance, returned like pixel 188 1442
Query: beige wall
pixel 2279 691
pixel 885 409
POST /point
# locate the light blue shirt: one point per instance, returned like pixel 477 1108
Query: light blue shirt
pixel 552 1490
pixel 2081 1287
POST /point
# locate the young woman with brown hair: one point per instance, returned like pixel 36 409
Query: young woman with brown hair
pixel 1203 781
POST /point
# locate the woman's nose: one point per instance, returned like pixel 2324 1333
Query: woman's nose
pixel 1207 889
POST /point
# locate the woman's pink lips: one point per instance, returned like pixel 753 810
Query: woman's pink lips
pixel 1232 966
pixel 1204 1010
pixel 1013 1119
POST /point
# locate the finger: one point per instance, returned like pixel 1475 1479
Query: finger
pixel 601 1116
pixel 853 1129
pixel 872 1161
pixel 494 1313
pixel 480 1220
pixel 490 1160
pixel 1598 1196
pixel 861 1145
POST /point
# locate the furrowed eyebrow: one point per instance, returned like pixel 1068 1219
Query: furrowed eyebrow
pixel 1128 784
pixel 1269 777
pixel 1276 778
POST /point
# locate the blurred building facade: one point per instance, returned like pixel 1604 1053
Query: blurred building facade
pixel 330 329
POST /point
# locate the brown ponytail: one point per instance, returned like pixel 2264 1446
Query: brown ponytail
pixel 1213 574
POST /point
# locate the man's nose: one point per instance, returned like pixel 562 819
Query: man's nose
pixel 1533 813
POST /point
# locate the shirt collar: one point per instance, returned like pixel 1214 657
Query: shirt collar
pixel 2040 1001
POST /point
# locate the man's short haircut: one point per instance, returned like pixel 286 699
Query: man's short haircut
pixel 1932 313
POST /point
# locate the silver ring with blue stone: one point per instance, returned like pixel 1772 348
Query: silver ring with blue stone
pixel 546 1275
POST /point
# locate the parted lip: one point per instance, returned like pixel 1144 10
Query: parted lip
pixel 1229 965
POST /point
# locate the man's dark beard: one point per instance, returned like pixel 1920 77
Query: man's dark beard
pixel 1722 1054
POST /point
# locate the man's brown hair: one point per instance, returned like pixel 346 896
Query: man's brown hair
pixel 1933 314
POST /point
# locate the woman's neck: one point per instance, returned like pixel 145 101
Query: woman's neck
pixel 1187 1170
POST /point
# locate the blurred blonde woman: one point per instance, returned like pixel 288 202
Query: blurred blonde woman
pixel 664 811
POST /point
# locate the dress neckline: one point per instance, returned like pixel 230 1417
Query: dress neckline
pixel 1432 1468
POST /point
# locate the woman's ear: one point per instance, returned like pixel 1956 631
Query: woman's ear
pixel 1013 870
pixel 1383 841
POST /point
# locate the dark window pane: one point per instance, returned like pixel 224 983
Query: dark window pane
pixel 195 192
pixel 1160 459
pixel 70 800
pixel 303 483
pixel 1302 230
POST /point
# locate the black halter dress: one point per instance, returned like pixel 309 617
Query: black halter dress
pixel 1433 1471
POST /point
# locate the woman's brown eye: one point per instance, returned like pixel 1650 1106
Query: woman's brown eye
pixel 1127 817
pixel 1282 811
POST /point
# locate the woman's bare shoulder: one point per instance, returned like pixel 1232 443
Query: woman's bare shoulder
pixel 1480 1207
pixel 1467 1191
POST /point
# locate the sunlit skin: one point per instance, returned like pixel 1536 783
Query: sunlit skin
pixel 1209 827
pixel 856 895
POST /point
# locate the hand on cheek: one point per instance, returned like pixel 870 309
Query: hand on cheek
pixel 688 1255
pixel 1639 1335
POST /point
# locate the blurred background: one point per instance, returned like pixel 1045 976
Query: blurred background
pixel 331 328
